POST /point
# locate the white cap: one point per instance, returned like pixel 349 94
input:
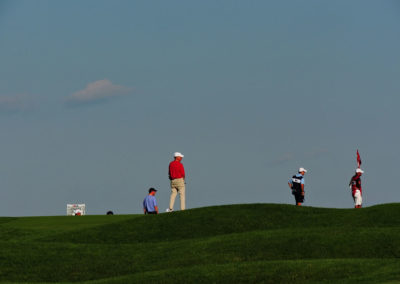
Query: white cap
pixel 302 170
pixel 177 154
pixel 359 171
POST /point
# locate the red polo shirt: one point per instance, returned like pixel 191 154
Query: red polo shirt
pixel 176 170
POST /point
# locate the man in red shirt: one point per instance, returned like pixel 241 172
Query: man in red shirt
pixel 356 189
pixel 177 178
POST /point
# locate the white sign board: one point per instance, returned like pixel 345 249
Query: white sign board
pixel 76 209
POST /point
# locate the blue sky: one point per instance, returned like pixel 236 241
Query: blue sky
pixel 95 96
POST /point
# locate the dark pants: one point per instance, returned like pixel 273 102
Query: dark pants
pixel 298 197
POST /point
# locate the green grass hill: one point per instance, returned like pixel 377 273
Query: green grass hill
pixel 252 243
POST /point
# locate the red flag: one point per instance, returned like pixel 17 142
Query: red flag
pixel 358 159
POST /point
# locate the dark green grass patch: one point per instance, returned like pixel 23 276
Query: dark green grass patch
pixel 28 228
pixel 298 271
pixel 238 243
pixel 309 271
pixel 74 262
pixel 211 221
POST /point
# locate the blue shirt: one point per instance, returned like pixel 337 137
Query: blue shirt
pixel 297 175
pixel 149 203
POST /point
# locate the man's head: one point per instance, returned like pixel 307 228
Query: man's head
pixel 152 191
pixel 302 171
pixel 178 156
pixel 359 172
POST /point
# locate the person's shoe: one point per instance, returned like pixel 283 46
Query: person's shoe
pixel 169 210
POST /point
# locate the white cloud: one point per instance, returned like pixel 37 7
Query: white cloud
pixel 98 90
pixel 13 103
pixel 300 157
pixel 286 157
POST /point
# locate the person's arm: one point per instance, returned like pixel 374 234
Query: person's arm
pixel 155 204
pixel 144 206
pixel 302 189
pixel 290 185
pixel 183 171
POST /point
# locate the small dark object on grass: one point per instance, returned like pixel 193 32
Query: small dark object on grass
pixel 110 213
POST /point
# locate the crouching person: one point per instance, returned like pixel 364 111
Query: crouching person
pixel 150 203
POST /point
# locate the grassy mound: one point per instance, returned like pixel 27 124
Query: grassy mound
pixel 238 243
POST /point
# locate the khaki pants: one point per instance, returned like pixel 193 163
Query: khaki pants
pixel 177 185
